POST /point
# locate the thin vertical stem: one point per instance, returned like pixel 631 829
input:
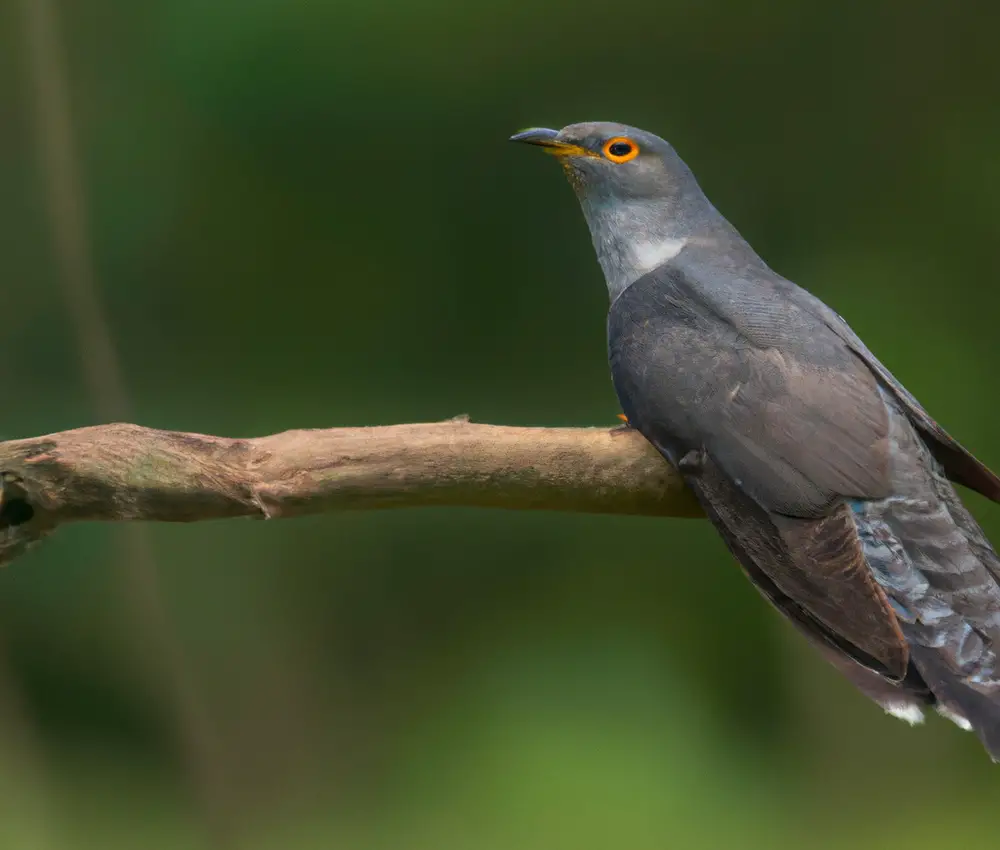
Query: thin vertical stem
pixel 163 662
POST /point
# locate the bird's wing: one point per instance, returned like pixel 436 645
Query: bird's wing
pixel 812 570
pixel 779 401
pixel 784 423
pixel 960 465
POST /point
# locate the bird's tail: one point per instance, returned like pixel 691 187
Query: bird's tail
pixel 943 579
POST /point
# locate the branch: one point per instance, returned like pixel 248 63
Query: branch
pixel 127 472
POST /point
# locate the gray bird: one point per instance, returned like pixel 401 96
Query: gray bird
pixel 827 480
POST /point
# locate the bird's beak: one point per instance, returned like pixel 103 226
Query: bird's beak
pixel 549 140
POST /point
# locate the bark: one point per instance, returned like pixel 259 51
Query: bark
pixel 127 472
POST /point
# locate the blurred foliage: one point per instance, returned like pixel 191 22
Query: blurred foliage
pixel 306 214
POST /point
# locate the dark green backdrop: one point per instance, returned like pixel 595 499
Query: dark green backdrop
pixel 306 214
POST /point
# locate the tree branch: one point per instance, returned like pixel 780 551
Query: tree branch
pixel 127 472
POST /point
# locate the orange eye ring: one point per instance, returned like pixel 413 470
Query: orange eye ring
pixel 619 149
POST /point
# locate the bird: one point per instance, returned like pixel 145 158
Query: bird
pixel 826 479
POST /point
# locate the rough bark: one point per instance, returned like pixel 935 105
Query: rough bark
pixel 127 472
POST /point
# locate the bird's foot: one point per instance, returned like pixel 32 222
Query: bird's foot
pixel 624 428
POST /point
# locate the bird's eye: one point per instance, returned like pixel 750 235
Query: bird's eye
pixel 620 149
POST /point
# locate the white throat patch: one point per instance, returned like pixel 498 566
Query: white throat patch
pixel 647 256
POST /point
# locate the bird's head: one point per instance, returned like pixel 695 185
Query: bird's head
pixel 642 203
pixel 612 162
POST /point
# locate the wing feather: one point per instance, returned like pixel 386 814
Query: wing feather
pixel 789 424
pixel 812 570
pixel 960 465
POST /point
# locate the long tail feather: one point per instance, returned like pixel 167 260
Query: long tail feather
pixel 941 575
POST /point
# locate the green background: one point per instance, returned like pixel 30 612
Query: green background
pixel 305 214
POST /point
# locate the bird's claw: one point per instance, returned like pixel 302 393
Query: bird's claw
pixel 624 428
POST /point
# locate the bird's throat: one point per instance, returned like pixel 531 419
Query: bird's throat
pixel 632 240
